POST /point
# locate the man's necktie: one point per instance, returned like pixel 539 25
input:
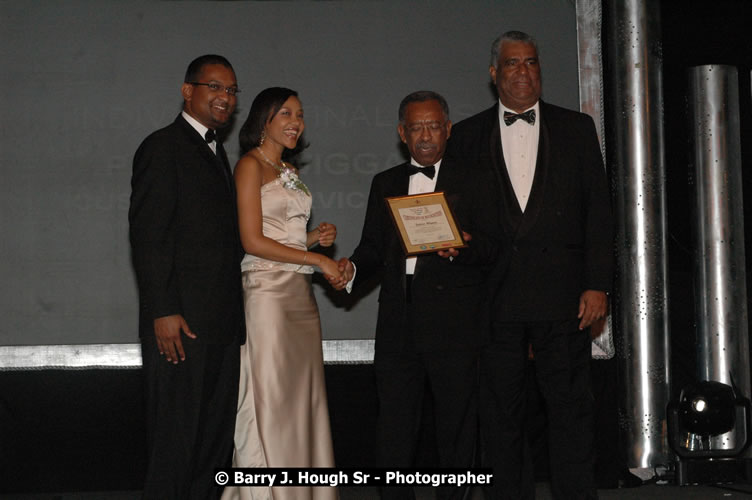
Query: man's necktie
pixel 210 136
pixel 528 116
pixel 427 171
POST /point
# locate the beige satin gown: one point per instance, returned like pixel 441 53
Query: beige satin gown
pixel 282 419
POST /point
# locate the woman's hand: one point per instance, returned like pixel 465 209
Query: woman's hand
pixel 331 271
pixel 327 234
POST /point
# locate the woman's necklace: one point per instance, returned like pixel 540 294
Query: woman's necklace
pixel 287 175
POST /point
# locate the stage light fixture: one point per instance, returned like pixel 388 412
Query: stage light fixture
pixel 707 409
pixel 708 428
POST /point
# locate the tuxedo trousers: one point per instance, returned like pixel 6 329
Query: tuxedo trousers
pixel 403 378
pixel 562 369
pixel 190 418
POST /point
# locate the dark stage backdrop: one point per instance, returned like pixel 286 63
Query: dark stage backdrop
pixel 83 82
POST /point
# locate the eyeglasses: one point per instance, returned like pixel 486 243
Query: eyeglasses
pixel 216 87
pixel 433 127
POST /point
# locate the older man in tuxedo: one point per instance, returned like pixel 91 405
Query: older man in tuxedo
pixel 554 271
pixel 186 253
pixel 431 307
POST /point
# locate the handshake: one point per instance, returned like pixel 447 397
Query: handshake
pixel 338 273
pixel 345 273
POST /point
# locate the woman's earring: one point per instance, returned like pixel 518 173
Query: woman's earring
pixel 263 136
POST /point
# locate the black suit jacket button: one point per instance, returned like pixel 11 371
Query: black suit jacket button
pixel 439 287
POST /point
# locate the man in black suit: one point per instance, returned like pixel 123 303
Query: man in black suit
pixel 554 272
pixel 186 253
pixel 431 306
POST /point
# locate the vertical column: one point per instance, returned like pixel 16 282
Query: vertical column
pixel 590 71
pixel 636 163
pixel 719 271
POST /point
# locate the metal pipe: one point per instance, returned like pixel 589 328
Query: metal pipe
pixel 636 162
pixel 719 271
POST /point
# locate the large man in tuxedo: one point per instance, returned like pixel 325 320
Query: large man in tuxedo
pixel 186 253
pixel 431 307
pixel 553 275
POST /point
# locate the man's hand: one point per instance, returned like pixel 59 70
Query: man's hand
pixel 167 332
pixel 593 306
pixel 346 268
pixel 453 252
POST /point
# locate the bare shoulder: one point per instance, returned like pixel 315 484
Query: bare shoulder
pixel 248 171
pixel 248 163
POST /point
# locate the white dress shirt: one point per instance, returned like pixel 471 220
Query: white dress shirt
pixel 420 184
pixel 519 142
pixel 200 129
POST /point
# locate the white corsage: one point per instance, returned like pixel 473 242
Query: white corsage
pixel 290 180
pixel 287 175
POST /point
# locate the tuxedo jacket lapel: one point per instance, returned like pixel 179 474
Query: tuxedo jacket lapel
pixel 399 186
pixel 218 161
pixel 511 214
pixel 224 165
pixel 497 155
pixel 451 175
pixel 402 182
pixel 448 178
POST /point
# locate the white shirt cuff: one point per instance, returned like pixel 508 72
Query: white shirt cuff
pixel 349 285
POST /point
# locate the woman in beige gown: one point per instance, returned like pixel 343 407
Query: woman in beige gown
pixel 282 419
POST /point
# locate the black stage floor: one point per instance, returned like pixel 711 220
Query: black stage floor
pixel 79 434
pixel 647 492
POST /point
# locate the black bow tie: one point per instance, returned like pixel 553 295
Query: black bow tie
pixel 210 136
pixel 528 116
pixel 427 171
